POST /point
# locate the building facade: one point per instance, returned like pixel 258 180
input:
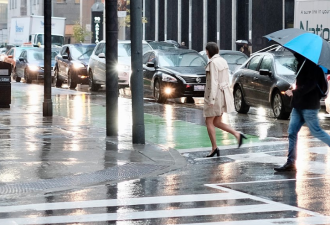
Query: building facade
pixel 197 22
pixel 70 9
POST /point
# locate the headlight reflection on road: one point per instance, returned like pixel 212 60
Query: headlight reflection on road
pixel 169 125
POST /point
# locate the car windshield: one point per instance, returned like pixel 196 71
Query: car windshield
pixel 34 55
pixel 234 58
pixel 162 45
pixel 286 65
pixel 82 51
pixel 181 60
pixel 124 49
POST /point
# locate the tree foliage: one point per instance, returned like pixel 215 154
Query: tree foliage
pixel 128 17
pixel 80 33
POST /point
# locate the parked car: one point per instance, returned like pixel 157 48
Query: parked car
pixel 326 101
pixel 234 59
pixel 173 74
pixel 162 45
pixel 71 65
pixel 12 57
pixel 96 66
pixel 30 64
pixel 263 80
pixel 3 52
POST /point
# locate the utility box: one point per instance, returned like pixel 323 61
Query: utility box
pixel 5 85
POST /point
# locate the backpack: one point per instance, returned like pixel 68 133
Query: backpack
pixel 323 84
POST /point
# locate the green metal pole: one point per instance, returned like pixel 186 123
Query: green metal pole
pixel 137 75
pixel 47 104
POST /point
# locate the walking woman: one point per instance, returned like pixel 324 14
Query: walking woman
pixel 217 97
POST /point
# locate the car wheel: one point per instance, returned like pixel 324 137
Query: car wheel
pixel 158 93
pixel 17 79
pixel 189 100
pixel 278 106
pixel 71 81
pixel 239 102
pixel 27 77
pixel 56 81
pixel 92 85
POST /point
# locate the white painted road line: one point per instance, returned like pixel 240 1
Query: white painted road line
pixel 151 214
pixel 277 204
pixel 121 202
pixel 243 155
pixel 292 221
pixel 269 181
pixel 233 146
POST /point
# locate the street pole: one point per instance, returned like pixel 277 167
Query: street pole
pixel 111 29
pixel 47 104
pixel 233 21
pixel 137 76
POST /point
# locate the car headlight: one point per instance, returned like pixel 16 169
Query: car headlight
pixel 168 78
pixel 121 67
pixel 33 68
pixel 78 65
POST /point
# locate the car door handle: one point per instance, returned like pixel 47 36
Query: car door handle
pixel 255 78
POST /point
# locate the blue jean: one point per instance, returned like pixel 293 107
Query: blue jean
pixel 298 118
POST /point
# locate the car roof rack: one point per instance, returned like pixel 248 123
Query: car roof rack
pixel 272 48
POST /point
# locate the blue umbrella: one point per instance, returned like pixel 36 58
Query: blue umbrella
pixel 309 45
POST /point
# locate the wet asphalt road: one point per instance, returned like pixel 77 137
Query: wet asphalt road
pixel 240 187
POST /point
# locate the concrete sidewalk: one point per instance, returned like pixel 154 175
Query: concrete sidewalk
pixel 70 149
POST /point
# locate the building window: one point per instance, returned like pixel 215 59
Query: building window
pixel 23 8
pixel 77 1
pixel 60 1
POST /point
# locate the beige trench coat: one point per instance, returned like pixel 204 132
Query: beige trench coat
pixel 217 90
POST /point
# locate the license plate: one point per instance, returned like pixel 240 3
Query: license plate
pixel 199 87
pixel 4 79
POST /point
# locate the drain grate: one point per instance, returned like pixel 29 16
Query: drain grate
pixel 126 171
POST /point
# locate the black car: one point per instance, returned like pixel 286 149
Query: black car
pixel 173 74
pixel 30 64
pixel 263 80
pixel 71 65
pixel 234 59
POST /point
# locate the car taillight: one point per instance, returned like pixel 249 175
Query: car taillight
pixel 328 77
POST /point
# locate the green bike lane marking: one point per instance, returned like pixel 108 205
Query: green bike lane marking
pixel 176 134
pixel 179 134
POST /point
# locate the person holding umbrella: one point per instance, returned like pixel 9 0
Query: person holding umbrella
pixel 309 50
pixel 245 47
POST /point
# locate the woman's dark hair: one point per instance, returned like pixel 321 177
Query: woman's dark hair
pixel 212 48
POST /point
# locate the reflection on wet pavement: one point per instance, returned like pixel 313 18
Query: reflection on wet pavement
pixel 240 187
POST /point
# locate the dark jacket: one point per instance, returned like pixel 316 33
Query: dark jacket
pixel 307 94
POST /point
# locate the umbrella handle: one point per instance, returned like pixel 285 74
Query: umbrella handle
pixel 301 67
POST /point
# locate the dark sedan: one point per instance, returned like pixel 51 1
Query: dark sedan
pixel 30 64
pixel 263 80
pixel 173 74
pixel 234 59
pixel 71 65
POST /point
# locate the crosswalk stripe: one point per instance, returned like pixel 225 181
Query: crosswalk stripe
pixel 122 202
pixel 151 214
pixel 260 205
pixel 291 221
pixel 225 147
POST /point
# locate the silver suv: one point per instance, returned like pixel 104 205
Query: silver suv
pixel 96 65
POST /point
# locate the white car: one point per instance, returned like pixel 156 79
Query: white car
pixel 96 65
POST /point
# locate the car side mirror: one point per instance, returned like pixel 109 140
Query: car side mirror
pixel 21 59
pixel 265 72
pixel 101 55
pixel 150 64
pixel 65 56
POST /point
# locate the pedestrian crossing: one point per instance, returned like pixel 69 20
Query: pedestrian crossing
pixel 225 206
